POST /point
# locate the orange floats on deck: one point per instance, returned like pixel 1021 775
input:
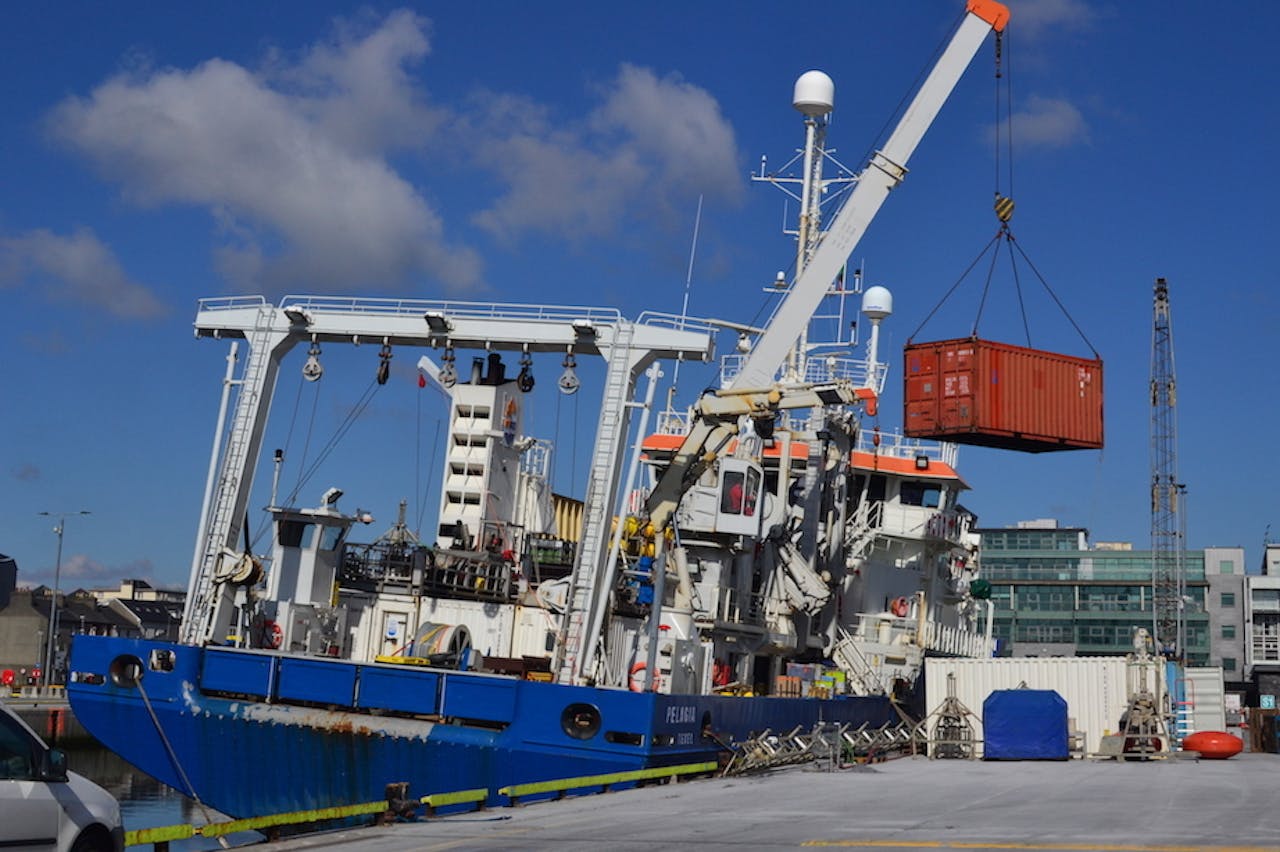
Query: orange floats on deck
pixel 1213 745
pixel 973 391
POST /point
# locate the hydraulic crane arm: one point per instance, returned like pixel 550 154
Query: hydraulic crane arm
pixel 885 171
pixel 717 415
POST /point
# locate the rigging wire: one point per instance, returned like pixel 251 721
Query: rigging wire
pixel 1003 158
pixel 293 418
pixel 431 472
pixel 417 463
pixel 952 289
pixel 559 405
pixel 1054 296
pixel 929 64
pixel 306 444
pixel 573 456
pixel 353 415
pixel 1017 287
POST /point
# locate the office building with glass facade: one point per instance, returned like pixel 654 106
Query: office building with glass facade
pixel 1057 595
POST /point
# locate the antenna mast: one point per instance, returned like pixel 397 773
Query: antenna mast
pixel 1168 495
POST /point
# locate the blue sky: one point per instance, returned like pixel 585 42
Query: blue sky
pixel 555 153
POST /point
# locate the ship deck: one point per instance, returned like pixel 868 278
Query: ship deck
pixel 909 803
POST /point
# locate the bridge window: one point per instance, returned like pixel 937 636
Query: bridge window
pixel 915 493
pixel 293 533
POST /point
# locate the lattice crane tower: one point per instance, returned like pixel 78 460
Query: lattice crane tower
pixel 1168 524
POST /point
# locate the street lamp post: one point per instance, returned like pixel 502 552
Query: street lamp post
pixel 53 601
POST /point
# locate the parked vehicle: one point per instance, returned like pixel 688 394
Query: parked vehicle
pixel 45 807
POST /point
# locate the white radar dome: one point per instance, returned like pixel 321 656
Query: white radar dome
pixel 815 94
pixel 877 302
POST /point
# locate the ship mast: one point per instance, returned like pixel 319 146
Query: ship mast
pixel 814 97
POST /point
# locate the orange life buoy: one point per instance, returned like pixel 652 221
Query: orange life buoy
pixel 272 635
pixel 899 607
pixel 636 683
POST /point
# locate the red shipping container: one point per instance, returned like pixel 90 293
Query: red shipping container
pixel 971 391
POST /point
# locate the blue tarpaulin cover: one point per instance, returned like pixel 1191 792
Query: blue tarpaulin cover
pixel 1024 724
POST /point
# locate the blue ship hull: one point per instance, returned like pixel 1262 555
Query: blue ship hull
pixel 259 732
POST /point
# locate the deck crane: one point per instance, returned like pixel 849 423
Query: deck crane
pixel 885 171
pixel 1168 536
pixel 754 395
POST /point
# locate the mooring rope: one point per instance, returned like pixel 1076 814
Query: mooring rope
pixel 173 757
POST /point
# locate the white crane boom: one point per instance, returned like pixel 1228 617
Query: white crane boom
pixel 885 171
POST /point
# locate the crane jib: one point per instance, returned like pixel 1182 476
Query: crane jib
pixel 889 168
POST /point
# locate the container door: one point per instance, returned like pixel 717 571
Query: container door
pixel 959 386
pixel 921 391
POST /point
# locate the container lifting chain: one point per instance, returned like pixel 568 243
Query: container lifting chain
pixel 971 390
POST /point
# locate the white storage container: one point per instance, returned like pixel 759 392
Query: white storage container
pixel 1095 688
pixel 1206 698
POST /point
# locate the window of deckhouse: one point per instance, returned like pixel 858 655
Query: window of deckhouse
pixel 916 493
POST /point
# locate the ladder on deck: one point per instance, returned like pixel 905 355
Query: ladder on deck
pixel 226 511
pixel 601 494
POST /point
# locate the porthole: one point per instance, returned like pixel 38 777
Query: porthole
pixel 125 671
pixel 580 721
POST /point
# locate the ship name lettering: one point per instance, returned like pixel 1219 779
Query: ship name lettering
pixel 681 714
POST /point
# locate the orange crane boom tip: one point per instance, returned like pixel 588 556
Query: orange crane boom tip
pixel 995 14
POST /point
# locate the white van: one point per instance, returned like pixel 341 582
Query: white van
pixel 45 807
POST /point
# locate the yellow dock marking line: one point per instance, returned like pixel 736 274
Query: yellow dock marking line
pixel 1066 847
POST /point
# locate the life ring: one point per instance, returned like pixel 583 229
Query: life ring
pixel 272 635
pixel 636 683
pixel 900 607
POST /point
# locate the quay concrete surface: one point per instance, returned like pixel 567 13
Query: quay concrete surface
pixel 1177 804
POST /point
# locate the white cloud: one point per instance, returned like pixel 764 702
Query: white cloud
pixel 77 268
pixel 1033 18
pixel 358 88
pixel 1044 123
pixel 653 144
pixel 79 571
pixel 291 160
pixel 1048 123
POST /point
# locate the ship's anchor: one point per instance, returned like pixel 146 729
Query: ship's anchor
pixel 569 383
pixel 312 370
pixel 448 375
pixel 384 363
pixel 524 381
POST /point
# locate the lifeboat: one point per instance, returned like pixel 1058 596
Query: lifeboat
pixel 1213 745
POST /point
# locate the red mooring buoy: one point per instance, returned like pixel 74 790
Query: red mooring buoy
pixel 1213 745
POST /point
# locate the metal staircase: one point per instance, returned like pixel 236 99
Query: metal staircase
pixel 862 530
pixel 601 494
pixel 859 671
